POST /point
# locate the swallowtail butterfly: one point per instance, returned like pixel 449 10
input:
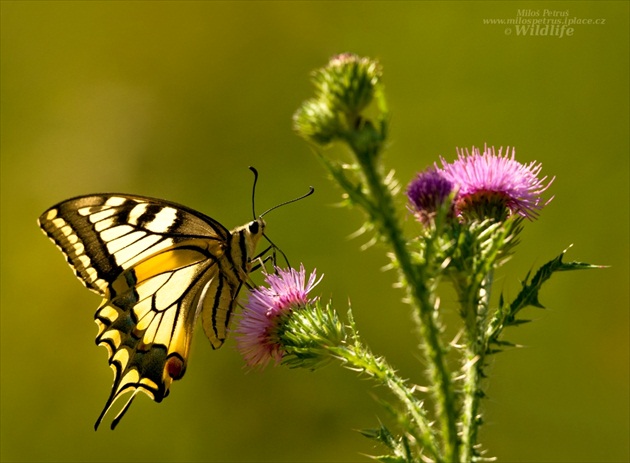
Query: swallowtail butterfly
pixel 158 266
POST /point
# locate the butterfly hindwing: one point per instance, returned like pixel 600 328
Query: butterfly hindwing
pixel 147 323
pixel 158 265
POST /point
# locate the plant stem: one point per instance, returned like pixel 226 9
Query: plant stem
pixel 476 310
pixel 363 359
pixel 472 394
pixel 423 301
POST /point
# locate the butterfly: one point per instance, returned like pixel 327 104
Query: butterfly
pixel 159 266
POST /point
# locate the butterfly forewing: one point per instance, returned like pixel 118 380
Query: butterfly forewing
pixel 158 265
pixel 101 235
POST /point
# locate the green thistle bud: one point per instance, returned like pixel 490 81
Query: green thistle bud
pixel 348 83
pixel 316 121
pixel 309 334
pixel 344 88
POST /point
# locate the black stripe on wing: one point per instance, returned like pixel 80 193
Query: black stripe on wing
pixel 102 235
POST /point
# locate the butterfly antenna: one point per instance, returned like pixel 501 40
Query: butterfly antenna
pixel 273 245
pixel 254 190
pixel 311 190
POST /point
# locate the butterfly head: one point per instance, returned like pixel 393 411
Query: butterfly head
pixel 254 230
pixel 244 241
pixel 256 227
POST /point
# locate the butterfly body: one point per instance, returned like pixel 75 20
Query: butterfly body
pixel 158 266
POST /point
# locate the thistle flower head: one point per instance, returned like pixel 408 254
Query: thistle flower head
pixel 427 192
pixel 496 186
pixel 267 311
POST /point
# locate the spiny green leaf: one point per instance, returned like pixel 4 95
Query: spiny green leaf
pixel 401 452
pixel 381 434
pixel 528 296
pixel 529 293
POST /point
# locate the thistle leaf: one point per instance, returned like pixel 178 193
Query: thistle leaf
pixel 528 296
pixel 529 293
pixel 401 453
pixel 381 434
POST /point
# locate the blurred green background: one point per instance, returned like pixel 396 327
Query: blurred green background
pixel 176 99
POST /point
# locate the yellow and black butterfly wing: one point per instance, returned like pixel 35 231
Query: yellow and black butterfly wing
pixel 157 264
pixel 103 235
pixel 147 321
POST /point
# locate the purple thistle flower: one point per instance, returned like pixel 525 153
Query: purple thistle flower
pixel 495 185
pixel 266 311
pixel 427 192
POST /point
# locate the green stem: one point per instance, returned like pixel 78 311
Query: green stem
pixel 363 359
pixel 423 301
pixel 476 311
pixel 470 408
